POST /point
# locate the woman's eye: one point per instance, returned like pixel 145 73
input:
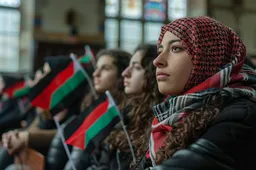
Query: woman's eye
pixel 176 49
pixel 137 67
pixel 106 68
pixel 159 51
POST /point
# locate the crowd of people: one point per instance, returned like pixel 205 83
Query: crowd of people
pixel 187 102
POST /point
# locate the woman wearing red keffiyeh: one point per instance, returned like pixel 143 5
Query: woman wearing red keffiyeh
pixel 208 120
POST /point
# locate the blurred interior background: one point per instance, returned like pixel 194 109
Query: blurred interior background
pixel 33 29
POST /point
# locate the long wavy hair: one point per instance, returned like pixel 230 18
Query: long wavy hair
pixel 140 116
pixel 121 61
pixel 189 129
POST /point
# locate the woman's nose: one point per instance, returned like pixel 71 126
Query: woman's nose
pixel 96 73
pixel 160 60
pixel 126 72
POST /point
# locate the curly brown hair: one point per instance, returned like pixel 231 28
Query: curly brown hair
pixel 141 115
pixel 189 129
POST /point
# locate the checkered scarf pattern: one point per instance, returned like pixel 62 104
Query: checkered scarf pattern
pixel 218 56
pixel 209 43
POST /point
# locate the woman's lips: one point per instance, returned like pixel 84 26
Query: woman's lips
pixel 126 83
pixel 96 82
pixel 162 76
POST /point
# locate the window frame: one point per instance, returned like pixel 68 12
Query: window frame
pixel 143 21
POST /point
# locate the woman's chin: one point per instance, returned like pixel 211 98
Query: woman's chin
pixel 127 90
pixel 167 90
pixel 163 88
pixel 99 90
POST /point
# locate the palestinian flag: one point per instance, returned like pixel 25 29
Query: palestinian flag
pixel 89 56
pixel 60 88
pixel 91 127
pixel 85 59
pixel 87 62
pixel 16 90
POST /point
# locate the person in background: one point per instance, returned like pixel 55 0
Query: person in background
pixel 141 88
pixel 39 133
pixel 107 76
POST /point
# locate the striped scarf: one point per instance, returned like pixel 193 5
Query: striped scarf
pixel 175 108
pixel 232 80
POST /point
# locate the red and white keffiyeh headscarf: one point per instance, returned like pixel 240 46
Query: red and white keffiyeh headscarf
pixel 218 56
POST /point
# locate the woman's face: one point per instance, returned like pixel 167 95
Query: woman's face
pixel 134 75
pixel 173 65
pixel 105 75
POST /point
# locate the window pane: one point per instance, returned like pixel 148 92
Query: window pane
pixel 131 30
pixel 152 31
pixel 9 39
pixel 111 44
pixel 155 10
pixel 112 8
pixel 1 44
pixel 111 33
pixel 131 33
pixel 131 9
pixel 10 3
pixel 111 29
pixel 177 9
pixel 129 46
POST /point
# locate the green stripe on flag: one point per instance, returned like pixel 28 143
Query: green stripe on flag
pixel 102 122
pixel 67 88
pixel 85 59
pixel 21 92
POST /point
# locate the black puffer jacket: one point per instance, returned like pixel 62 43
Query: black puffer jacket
pixel 110 160
pixel 80 160
pixel 228 144
pixel 9 116
pixel 12 114
pixel 57 157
